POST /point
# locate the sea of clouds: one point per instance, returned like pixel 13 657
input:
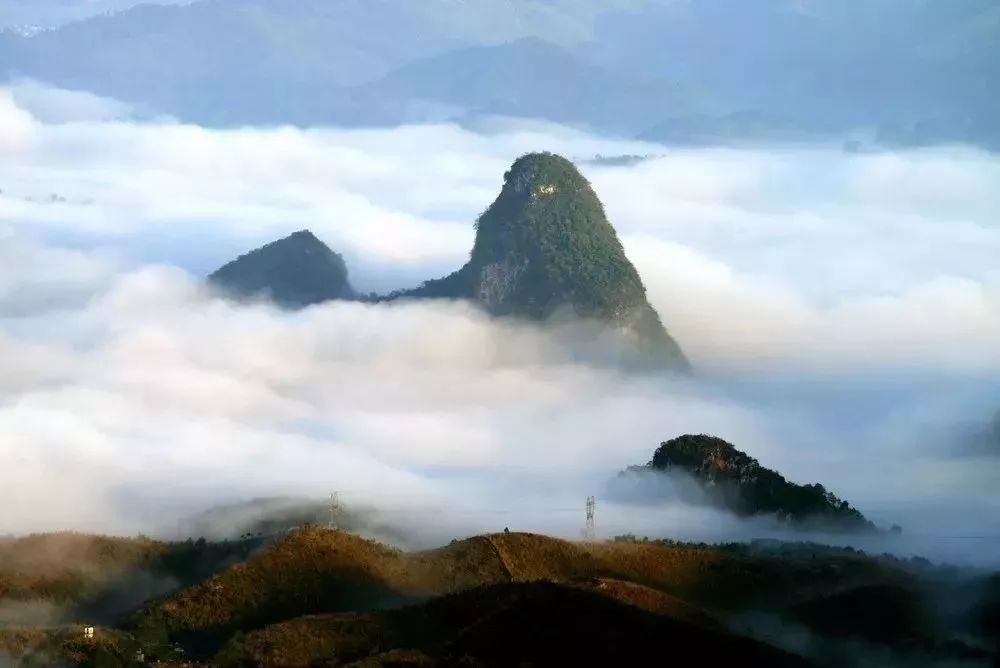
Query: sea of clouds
pixel 842 311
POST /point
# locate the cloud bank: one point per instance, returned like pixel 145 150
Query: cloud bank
pixel 758 257
pixel 840 308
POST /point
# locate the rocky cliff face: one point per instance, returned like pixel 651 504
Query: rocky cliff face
pixel 545 246
pixel 294 272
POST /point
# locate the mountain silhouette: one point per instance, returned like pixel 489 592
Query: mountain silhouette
pixel 294 272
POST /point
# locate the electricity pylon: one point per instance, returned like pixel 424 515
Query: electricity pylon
pixel 591 529
pixel 334 511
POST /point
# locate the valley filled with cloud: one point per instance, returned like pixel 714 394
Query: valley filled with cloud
pixel 841 311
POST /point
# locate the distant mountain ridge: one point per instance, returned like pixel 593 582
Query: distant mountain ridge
pixel 529 78
pixel 710 71
pixel 263 81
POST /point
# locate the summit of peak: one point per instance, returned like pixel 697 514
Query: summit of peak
pixel 543 173
pixel 303 236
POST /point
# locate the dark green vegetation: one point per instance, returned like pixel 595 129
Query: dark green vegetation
pixel 322 597
pixel 733 480
pixel 545 245
pixel 296 271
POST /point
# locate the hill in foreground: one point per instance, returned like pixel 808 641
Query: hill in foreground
pixel 314 571
pixel 525 623
pixel 325 595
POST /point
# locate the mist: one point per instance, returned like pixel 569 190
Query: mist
pixel 840 309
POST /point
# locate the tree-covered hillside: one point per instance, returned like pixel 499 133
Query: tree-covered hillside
pixel 738 482
pixel 296 271
pixel 544 245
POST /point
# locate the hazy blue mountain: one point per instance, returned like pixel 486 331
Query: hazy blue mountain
pixel 315 41
pixel 923 70
pixel 693 71
pixel 296 271
pixel 222 60
pixel 527 78
pixel 225 62
pixel 47 14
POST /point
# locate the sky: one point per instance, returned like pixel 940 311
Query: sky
pixel 841 311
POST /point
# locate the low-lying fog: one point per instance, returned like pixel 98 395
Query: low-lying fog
pixel 842 311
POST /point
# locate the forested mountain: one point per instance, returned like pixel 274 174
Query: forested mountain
pixel 735 481
pixel 545 245
pixel 296 271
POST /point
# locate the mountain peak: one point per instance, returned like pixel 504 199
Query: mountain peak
pixel 295 271
pixel 305 235
pixel 543 173
pixel 738 481
pixel 546 245
pixel 302 241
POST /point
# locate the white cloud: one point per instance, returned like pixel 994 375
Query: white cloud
pixel 55 105
pixel 17 127
pixel 734 321
pixel 34 277
pixel 174 400
pixel 187 391
pixel 792 278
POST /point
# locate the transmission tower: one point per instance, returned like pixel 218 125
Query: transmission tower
pixel 335 511
pixel 590 532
